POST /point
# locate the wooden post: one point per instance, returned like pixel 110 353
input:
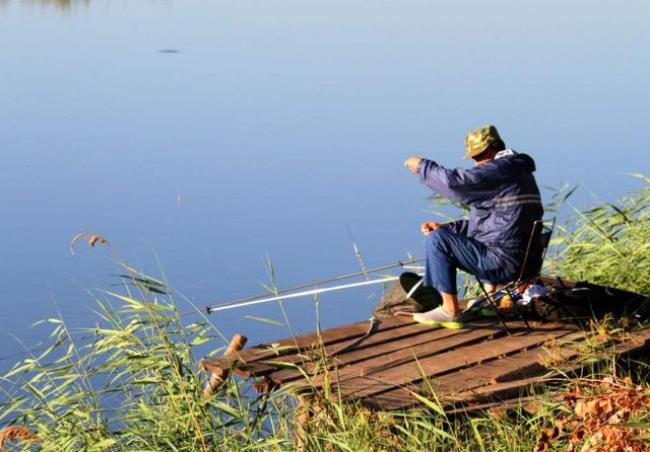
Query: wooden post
pixel 219 375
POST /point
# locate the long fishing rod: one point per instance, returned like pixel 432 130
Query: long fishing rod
pixel 223 307
pixel 289 293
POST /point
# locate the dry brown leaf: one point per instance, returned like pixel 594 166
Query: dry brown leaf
pixel 581 409
pixel 497 413
pixel 577 436
pixel 593 408
pixel 605 405
pixel 95 239
pixel 534 406
pixel 16 433
pixel 598 410
pixel 92 240
pixel 544 443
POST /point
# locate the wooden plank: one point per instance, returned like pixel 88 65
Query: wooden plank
pixel 519 365
pixel 384 358
pixel 438 364
pixel 352 349
pixel 403 362
pixel 638 341
pixel 384 346
pixel 506 384
pixel 296 344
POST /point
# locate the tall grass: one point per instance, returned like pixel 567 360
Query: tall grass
pixel 608 243
pixel 132 381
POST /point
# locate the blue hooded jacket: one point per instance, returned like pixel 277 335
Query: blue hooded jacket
pixel 503 198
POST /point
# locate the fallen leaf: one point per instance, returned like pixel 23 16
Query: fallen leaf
pixel 16 433
pixel 581 409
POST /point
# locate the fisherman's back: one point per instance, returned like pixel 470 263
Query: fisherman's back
pixel 505 221
pixel 503 198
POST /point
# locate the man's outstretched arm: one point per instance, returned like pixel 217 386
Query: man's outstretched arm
pixel 458 185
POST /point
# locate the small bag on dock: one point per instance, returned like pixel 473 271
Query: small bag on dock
pixel 397 299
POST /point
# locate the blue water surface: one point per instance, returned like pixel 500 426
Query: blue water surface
pixel 209 135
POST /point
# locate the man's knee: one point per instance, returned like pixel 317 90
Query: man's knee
pixel 438 240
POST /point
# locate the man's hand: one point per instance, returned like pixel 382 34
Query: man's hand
pixel 412 163
pixel 427 228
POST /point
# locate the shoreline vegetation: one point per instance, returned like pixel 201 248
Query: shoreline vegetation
pixel 61 5
pixel 132 381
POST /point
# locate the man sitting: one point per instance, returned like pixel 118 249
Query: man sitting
pixel 504 203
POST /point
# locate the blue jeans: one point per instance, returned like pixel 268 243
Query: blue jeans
pixel 448 251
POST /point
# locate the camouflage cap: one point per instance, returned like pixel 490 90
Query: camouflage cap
pixel 479 139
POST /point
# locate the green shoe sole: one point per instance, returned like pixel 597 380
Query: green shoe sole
pixel 449 325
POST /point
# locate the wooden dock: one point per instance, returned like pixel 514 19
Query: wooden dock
pixel 394 363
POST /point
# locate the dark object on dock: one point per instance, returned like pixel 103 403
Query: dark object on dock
pixel 398 300
pixel 403 363
pixel 579 301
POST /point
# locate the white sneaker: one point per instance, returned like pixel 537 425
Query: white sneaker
pixel 480 306
pixel 439 317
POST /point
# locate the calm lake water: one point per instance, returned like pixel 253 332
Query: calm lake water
pixel 211 134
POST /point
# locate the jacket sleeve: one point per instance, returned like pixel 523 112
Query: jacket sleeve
pixel 459 185
pixel 459 227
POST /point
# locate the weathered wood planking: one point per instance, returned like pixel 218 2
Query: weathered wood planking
pixel 438 364
pixel 298 344
pixel 505 380
pixel 355 349
pixel 396 350
pixel 466 368
pixel 513 388
pixel 450 387
pixel 405 363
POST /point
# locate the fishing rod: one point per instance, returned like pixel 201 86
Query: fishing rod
pixel 289 293
pixel 305 293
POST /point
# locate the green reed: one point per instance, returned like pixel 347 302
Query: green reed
pixel 131 382
pixel 608 243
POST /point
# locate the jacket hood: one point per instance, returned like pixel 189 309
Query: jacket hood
pixel 523 160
